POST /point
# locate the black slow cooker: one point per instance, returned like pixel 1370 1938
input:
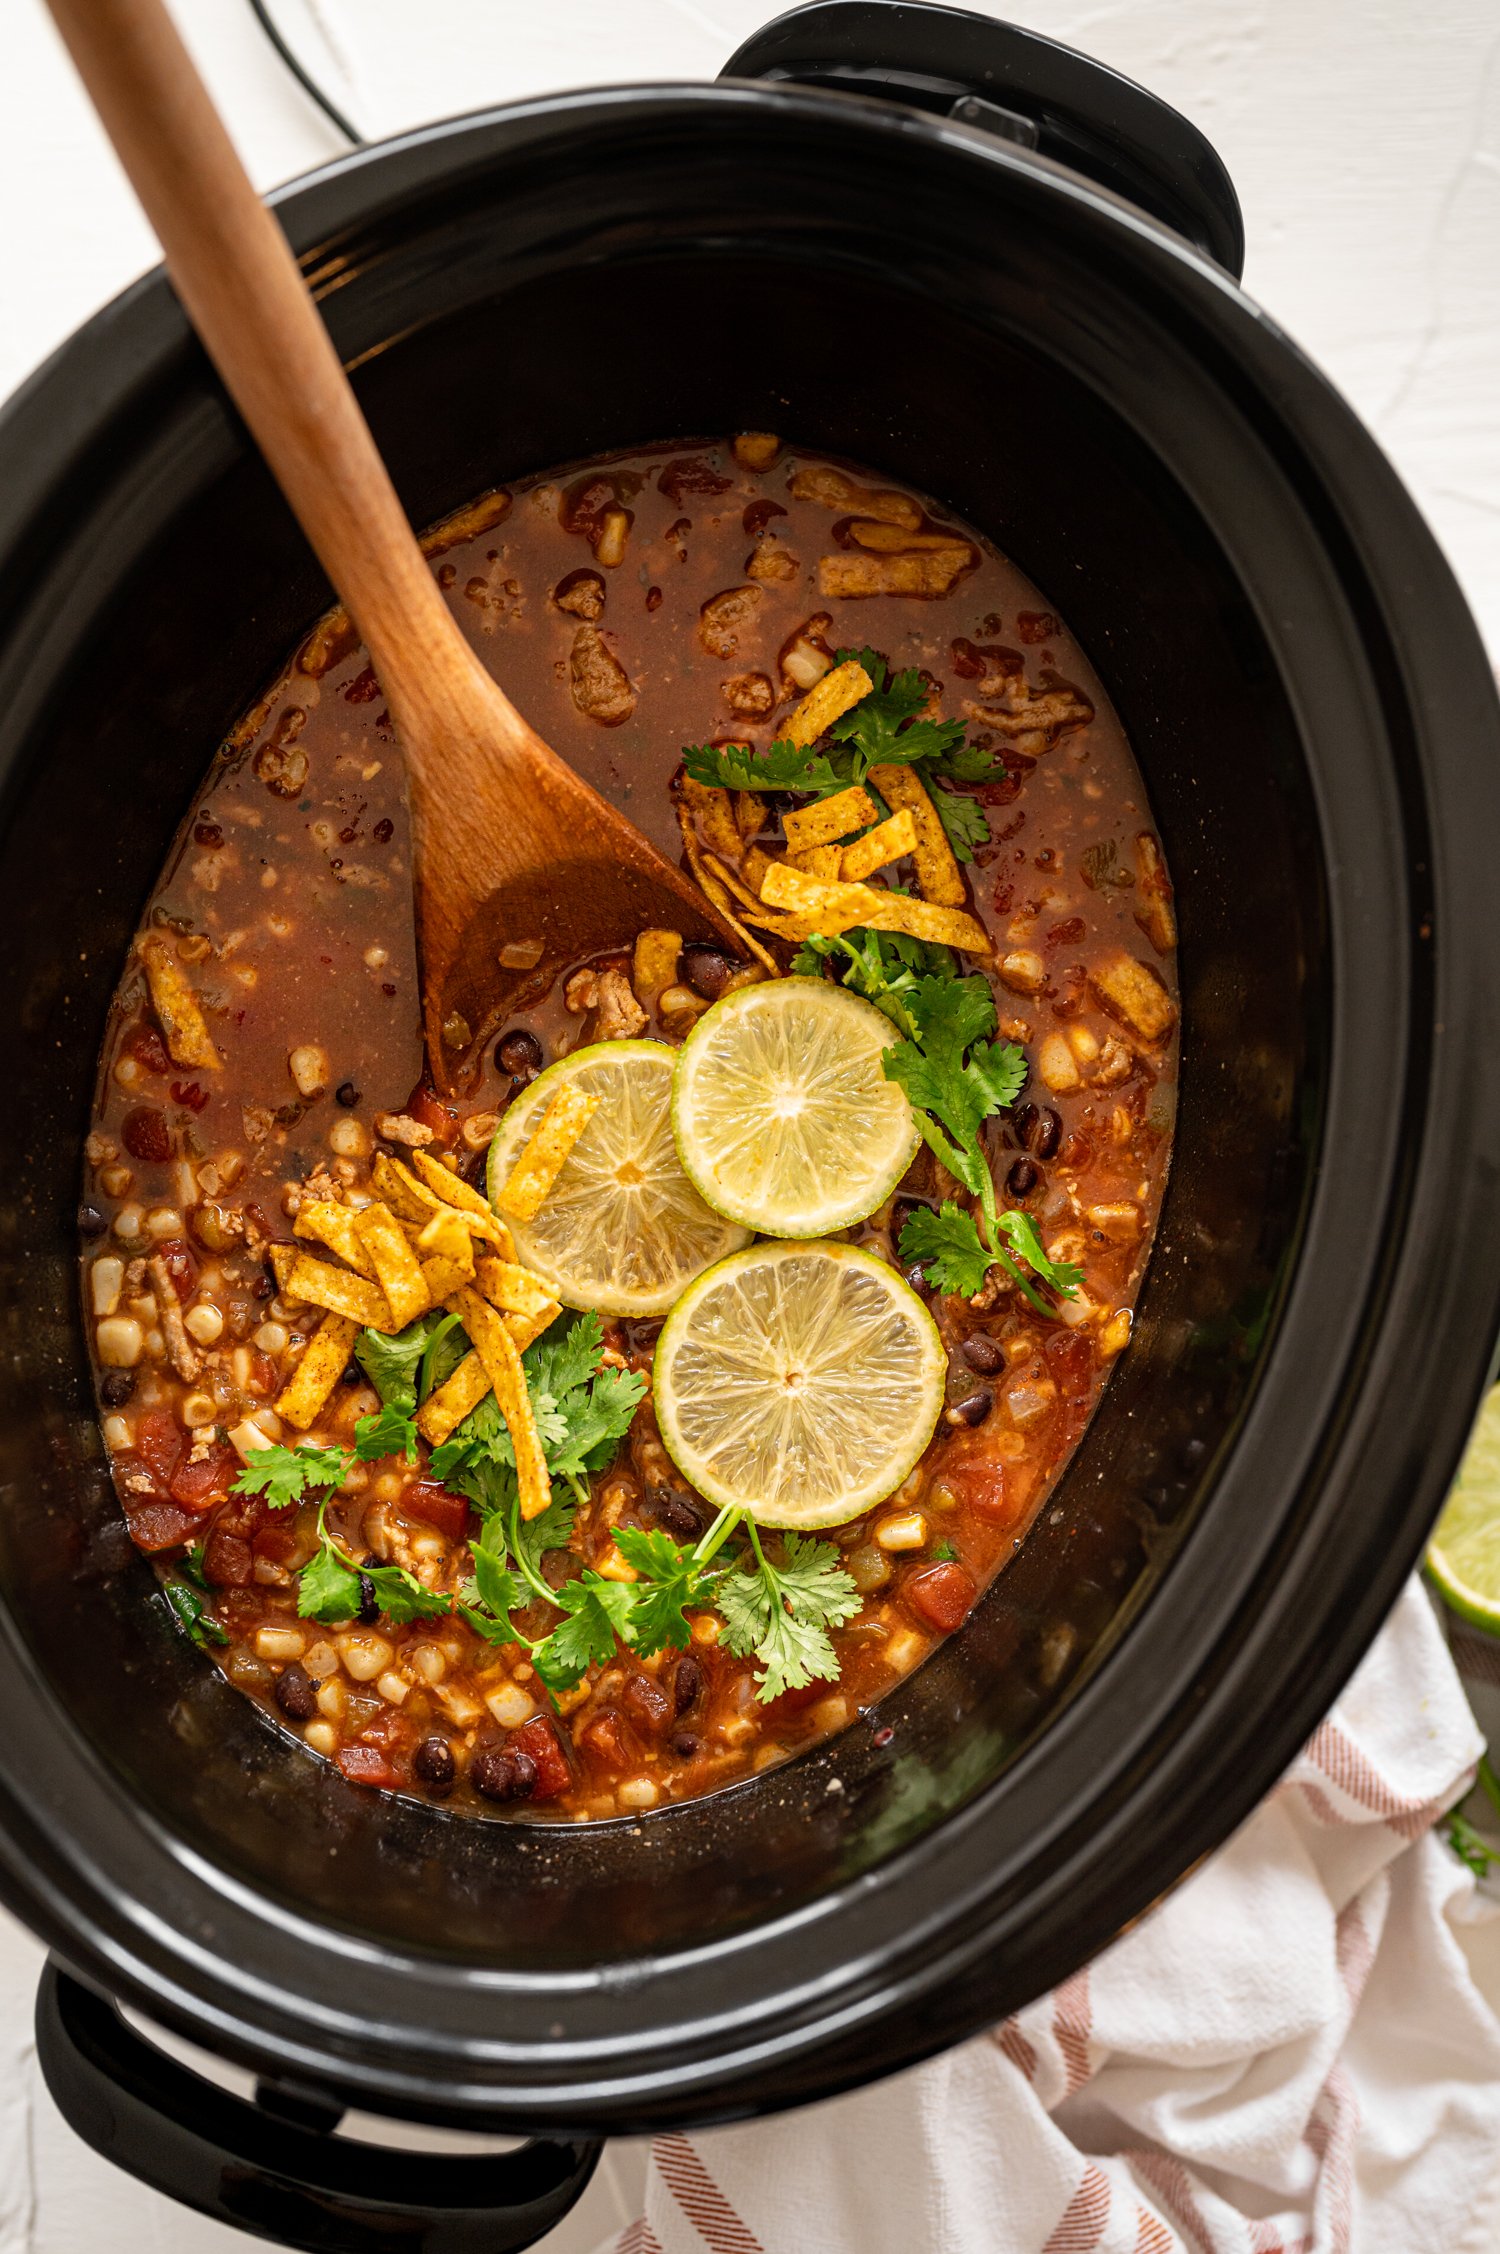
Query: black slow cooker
pixel 952 250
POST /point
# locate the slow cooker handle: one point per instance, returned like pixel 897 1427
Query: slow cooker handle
pixel 1018 85
pixel 280 2174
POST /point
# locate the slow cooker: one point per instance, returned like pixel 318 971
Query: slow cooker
pixel 953 250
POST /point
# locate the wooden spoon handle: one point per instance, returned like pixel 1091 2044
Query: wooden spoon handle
pixel 245 295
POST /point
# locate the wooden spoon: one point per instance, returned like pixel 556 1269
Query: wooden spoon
pixel 509 844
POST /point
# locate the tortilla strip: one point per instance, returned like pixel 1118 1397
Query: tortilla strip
pixel 398 1271
pixel 402 1192
pixel 526 1328
pixel 512 1289
pixel 733 884
pixel 714 809
pixel 929 573
pixel 324 1361
pixel 825 861
pixel 333 1225
pixel 749 813
pixel 835 489
pixel 178 1010
pixel 498 1352
pixel 891 539
pixel 446 1407
pixel 654 966
pixel 342 1294
pixel 826 701
pixel 888 841
pixel 545 1153
pixel 714 890
pixel 937 871
pixel 753 868
pixel 840 907
pixel 445 1237
pixel 441 1185
pixel 829 819
pixel 283 1259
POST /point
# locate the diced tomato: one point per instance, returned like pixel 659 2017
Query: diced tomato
pixel 794 1701
pixel 608 1740
pixel 159 1440
pixel 280 1543
pixel 980 1485
pixel 180 1266
pixel 199 1482
pixel 648 1703
pixel 156 1525
pixel 539 1739
pixel 245 1515
pixel 449 1513
pixel 386 1731
pixel 942 1595
pixel 227 1561
pixel 1069 1363
pixel 366 1764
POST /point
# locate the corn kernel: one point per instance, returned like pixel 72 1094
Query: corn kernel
pixel 909 1532
pixel 322 1737
pixel 279 1643
pixel 510 1705
pixel 364 1654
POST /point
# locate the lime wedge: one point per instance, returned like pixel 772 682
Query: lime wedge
pixel 798 1382
pixel 1463 1556
pixel 622 1228
pixel 784 1120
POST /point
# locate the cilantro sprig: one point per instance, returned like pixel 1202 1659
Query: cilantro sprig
pixel 882 730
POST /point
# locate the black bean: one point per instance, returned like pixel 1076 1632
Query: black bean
pixel 984 1353
pixel 1048 1134
pixel 707 970
pixel 916 1276
pixel 346 1094
pixel 675 1512
pixel 433 1765
pixel 686 1746
pixel 973 1408
pixel 264 1286
pixel 116 1388
pixel 296 1693
pixel 687 1683
pixel 352 1374
pixel 369 1603
pixel 1023 1177
pixel 519 1053
pixel 503 1776
pixel 91 1222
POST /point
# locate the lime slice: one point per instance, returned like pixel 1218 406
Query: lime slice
pixel 622 1229
pixel 798 1382
pixel 783 1117
pixel 1463 1556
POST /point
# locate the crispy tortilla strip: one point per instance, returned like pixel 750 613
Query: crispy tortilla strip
pixel 754 866
pixel 731 883
pixel 714 810
pixel 835 489
pixel 178 1010
pixel 1131 990
pixel 890 539
pixel 513 1290
pixel 398 1271
pixel 524 1328
pixel 440 1185
pixel 930 573
pixel 829 819
pixel 715 890
pixel 545 1153
pixel 827 700
pixel 446 1407
pixel 445 1237
pixel 840 907
pixel 749 813
pixel 443 1278
pixel 283 1259
pixel 888 842
pixel 501 1358
pixel 323 1222
pixel 402 1192
pixel 825 861
pixel 342 1294
pixel 937 871
pixel 324 1361
pixel 654 967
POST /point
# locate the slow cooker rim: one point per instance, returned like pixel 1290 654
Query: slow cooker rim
pixel 150 301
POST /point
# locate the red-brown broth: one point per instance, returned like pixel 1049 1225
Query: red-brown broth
pixel 287 901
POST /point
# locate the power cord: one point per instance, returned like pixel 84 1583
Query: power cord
pixel 304 77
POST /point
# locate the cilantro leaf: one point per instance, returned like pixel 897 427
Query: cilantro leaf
pixel 444 1351
pixel 328 1587
pixel 945 1553
pixel 883 731
pixel 553 1530
pixel 967 763
pixel 1020 1232
pixel 283 1475
pixel 192 1613
pixel 781 1614
pixel 781 766
pixel 598 1420
pixel 401 1596
pixel 948 1248
pixel 391 1432
pixel 497 1588
pixel 671 1579
pixel 596 1612
pixel 965 822
pixel 490 1631
pixel 565 1357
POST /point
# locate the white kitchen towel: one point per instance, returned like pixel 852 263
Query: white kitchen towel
pixel 1289 2056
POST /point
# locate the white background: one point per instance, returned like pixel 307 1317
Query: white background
pixel 1364 139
